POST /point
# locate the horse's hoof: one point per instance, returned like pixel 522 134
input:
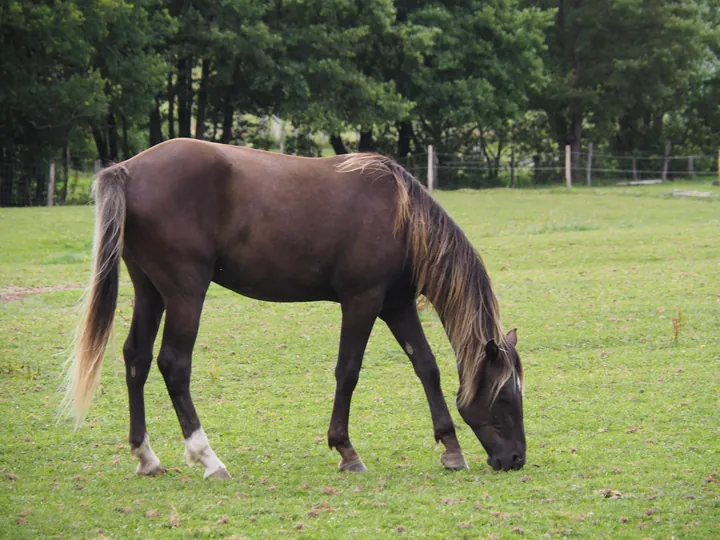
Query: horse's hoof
pixel 455 462
pixel 155 470
pixel 220 473
pixel 355 466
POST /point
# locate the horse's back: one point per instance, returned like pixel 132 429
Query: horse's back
pixel 273 226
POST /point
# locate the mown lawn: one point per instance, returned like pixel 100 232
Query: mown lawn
pixel 622 405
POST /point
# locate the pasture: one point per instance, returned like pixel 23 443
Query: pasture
pixel 615 295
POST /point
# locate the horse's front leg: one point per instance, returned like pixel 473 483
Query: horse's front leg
pixel 358 317
pixel 405 325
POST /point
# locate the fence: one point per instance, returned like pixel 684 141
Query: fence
pixel 511 169
pixel 44 183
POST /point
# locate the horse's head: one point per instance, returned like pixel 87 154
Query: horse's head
pixel 495 416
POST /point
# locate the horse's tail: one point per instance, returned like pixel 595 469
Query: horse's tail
pixel 101 300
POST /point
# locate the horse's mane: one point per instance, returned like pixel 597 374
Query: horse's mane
pixel 449 272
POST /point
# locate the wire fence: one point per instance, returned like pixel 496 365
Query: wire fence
pixel 28 185
pixel 452 171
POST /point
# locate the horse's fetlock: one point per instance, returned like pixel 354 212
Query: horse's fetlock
pixel 136 441
pixel 336 439
pixel 444 429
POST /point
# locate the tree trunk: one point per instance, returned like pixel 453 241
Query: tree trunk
pixel 366 141
pixel 184 83
pixel 576 120
pixel 171 106
pixel 405 135
pixel 576 131
pixel 202 100
pixel 228 117
pixel 100 144
pixel 6 179
pixel 112 138
pixel 125 144
pixel 40 183
pixel 156 136
pixel 66 174
pixel 338 144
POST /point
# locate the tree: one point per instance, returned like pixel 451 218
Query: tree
pixel 49 86
pixel 614 68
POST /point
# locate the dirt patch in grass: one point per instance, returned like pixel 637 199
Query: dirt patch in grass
pixel 8 294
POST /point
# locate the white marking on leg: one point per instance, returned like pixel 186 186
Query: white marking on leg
pixel 197 450
pixel 409 349
pixel 149 462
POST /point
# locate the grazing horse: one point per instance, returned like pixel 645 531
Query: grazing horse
pixel 357 230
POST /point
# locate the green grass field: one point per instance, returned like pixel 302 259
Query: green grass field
pixel 622 404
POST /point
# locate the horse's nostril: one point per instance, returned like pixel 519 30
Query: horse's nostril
pixel 517 459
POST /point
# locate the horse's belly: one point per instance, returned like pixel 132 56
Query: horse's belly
pixel 274 284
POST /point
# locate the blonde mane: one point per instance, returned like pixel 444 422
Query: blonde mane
pixel 449 272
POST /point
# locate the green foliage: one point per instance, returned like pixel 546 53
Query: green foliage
pixel 470 77
pixel 622 421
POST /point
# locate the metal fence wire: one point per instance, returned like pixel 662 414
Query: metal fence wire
pixel 23 184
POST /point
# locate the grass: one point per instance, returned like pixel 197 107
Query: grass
pixel 622 413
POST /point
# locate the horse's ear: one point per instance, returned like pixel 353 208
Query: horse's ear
pixel 511 337
pixel 491 350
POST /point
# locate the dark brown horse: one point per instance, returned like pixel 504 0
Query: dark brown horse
pixel 357 230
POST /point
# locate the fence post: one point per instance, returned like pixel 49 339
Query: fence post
pixel 634 168
pixel 512 166
pixel 51 184
pixel 568 168
pixel 431 168
pixel 666 163
pixel 691 167
pixel 589 164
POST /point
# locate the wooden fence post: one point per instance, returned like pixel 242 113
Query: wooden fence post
pixel 691 166
pixel 512 166
pixel 431 168
pixel 634 168
pixel 51 184
pixel 568 168
pixel 589 164
pixel 666 163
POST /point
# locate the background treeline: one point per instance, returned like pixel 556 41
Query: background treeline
pixel 104 79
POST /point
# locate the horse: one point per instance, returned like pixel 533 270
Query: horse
pixel 354 229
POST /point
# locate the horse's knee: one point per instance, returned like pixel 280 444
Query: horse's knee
pixel 347 379
pixel 427 371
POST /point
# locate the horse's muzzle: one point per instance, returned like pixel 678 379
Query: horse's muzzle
pixel 507 463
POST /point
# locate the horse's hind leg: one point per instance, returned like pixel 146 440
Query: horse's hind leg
pixel 405 325
pixel 359 314
pixel 182 319
pixel 138 358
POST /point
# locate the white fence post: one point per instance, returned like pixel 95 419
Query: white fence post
pixel 589 164
pixel 51 184
pixel 568 167
pixel 431 168
pixel 666 162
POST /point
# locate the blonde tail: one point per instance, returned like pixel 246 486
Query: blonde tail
pixel 97 322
